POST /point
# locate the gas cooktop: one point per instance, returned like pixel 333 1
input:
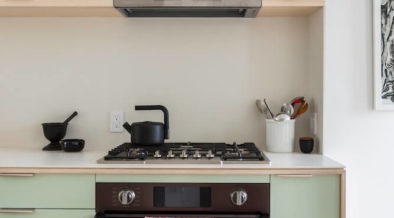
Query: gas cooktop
pixel 186 153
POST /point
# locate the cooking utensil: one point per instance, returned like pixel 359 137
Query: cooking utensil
pixel 262 108
pixel 260 105
pixel 71 117
pixel 297 105
pixel 55 132
pixel 295 102
pixel 269 110
pixel 73 145
pixel 266 112
pixel 287 108
pixel 282 117
pixel 300 98
pixel 149 133
pixel 302 109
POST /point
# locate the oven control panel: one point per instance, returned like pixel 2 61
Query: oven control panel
pixel 183 197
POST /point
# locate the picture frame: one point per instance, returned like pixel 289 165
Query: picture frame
pixel 383 24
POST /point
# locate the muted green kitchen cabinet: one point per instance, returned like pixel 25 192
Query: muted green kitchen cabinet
pixel 309 197
pixel 51 213
pixel 185 178
pixel 48 191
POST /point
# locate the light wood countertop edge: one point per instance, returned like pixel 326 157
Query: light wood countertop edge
pixel 164 171
pixel 343 195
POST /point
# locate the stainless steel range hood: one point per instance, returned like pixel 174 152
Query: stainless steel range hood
pixel 188 8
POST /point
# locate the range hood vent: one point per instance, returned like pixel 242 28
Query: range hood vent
pixel 188 8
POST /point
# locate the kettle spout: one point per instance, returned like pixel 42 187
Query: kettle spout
pixel 127 126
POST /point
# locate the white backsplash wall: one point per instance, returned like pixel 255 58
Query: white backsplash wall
pixel 315 78
pixel 208 72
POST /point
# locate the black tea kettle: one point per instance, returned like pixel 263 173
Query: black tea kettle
pixel 149 133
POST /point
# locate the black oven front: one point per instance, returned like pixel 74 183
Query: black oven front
pixel 182 200
pixel 124 215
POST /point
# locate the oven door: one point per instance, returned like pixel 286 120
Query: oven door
pixel 181 215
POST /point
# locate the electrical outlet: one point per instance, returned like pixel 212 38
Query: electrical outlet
pixel 116 121
pixel 314 124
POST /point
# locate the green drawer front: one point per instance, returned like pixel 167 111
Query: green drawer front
pixel 48 191
pixel 185 178
pixel 51 214
pixel 315 197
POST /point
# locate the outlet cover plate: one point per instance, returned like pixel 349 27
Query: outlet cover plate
pixel 116 121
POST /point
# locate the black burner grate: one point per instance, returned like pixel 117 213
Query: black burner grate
pixel 226 152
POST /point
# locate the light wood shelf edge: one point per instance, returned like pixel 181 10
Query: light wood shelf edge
pixel 104 8
pixel 290 8
pixel 59 12
pixel 343 194
pixel 293 3
pixel 288 11
pixel 58 8
pixel 109 3
pixel 56 3
pixel 112 12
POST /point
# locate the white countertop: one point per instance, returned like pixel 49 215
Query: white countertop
pixel 35 158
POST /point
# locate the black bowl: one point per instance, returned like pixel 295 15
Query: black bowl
pixel 306 144
pixel 54 132
pixel 73 145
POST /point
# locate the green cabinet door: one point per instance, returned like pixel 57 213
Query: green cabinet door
pixel 50 213
pixel 47 191
pixel 305 197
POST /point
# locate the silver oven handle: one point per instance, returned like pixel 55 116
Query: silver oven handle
pixel 17 174
pixel 295 176
pixel 17 211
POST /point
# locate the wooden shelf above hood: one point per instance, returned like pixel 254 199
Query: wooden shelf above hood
pixel 104 8
pixel 58 8
pixel 283 8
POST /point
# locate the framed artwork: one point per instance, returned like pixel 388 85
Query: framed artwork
pixel 384 54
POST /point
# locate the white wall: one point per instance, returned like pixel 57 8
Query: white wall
pixel 207 71
pixel 354 133
pixel 315 77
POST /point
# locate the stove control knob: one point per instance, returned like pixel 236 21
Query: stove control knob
pixel 170 154
pixel 184 154
pixel 197 155
pixel 157 154
pixel 239 198
pixel 210 155
pixel 126 197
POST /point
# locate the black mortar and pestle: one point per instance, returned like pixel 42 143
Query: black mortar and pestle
pixel 55 132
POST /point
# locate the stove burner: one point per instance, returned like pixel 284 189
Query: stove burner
pixel 186 153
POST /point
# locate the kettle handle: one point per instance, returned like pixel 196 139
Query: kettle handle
pixel 157 107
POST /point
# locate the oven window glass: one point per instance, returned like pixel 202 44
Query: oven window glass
pixel 182 197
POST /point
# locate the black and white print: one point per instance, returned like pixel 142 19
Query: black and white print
pixel 384 54
pixel 387 47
